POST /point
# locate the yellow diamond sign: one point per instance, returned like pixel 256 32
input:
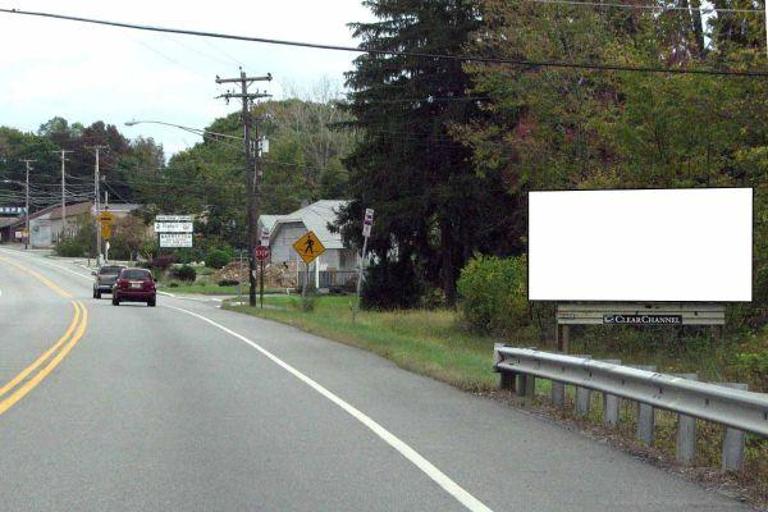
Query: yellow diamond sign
pixel 106 230
pixel 309 247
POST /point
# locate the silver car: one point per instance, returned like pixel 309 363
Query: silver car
pixel 105 279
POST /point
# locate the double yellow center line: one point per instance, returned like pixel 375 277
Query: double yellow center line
pixel 18 387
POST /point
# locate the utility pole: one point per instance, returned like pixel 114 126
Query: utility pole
pixel 252 175
pixel 28 162
pixel 97 206
pixel 63 153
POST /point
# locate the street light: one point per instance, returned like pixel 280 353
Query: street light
pixel 196 131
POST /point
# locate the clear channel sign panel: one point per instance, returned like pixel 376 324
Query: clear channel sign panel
pixel 670 245
pixel 175 239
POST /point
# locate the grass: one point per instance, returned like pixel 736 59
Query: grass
pixel 427 342
pixel 434 343
pixel 207 289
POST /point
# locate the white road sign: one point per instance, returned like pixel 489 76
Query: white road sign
pixel 175 239
pixel 367 222
pixel 173 218
pixel 173 227
pixel 265 237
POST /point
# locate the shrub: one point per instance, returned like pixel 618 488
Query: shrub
pixel 185 273
pixel 754 365
pixel 217 259
pixel 71 248
pixel 173 284
pixel 82 241
pixel 305 303
pixel 493 294
pixel 391 285
pixel 162 263
pixel 229 282
pixel 189 255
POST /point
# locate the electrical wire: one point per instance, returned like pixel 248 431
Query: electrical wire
pixel 647 7
pixel 394 53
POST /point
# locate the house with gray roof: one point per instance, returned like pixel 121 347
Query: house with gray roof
pixel 286 229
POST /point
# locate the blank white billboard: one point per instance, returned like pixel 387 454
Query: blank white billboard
pixel 688 245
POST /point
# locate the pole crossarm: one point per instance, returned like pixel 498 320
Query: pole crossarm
pixel 247 79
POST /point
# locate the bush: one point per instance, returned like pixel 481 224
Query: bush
pixel 189 255
pixel 71 248
pixel 229 282
pixel 493 294
pixel 391 285
pixel 217 259
pixel 82 243
pixel 305 303
pixel 162 263
pixel 185 273
pixel 754 365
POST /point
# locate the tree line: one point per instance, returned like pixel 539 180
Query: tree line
pixel 450 149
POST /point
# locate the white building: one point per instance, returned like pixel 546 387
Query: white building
pixel 48 225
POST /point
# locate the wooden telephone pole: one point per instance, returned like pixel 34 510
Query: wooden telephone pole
pixel 28 163
pixel 252 176
pixel 63 153
pixel 97 206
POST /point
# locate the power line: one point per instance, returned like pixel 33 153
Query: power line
pixel 647 7
pixel 393 53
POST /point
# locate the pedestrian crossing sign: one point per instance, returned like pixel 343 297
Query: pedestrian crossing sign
pixel 309 247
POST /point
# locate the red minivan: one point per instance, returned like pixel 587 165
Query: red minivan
pixel 134 285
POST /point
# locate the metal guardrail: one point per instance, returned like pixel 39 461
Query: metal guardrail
pixel 727 404
pixel 743 410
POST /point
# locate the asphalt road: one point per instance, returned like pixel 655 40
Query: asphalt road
pixel 187 407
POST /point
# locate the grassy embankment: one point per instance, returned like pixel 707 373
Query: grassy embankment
pixel 427 342
pixel 435 343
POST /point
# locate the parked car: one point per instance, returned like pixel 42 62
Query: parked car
pixel 134 285
pixel 105 279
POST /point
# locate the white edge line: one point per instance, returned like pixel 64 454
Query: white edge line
pixel 48 264
pixel 443 480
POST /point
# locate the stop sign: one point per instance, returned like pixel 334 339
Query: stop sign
pixel 261 253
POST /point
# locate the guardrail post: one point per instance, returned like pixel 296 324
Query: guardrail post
pixel 558 388
pixel 583 398
pixel 686 431
pixel 506 379
pixel 527 387
pixel 733 442
pixel 646 414
pixel 558 393
pixel 522 381
pixel 610 402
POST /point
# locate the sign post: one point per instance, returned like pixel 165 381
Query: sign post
pixel 106 219
pixel 261 254
pixel 367 225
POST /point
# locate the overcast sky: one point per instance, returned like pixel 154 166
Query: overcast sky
pixel 87 73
